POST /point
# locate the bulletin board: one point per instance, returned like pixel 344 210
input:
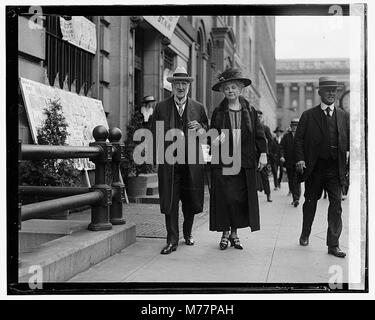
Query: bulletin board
pixel 82 114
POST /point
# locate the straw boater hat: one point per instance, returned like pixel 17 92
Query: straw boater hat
pixel 180 74
pixel 147 99
pixel 325 82
pixel 230 75
pixel 278 129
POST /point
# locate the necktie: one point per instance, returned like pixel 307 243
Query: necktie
pixel 328 112
pixel 180 110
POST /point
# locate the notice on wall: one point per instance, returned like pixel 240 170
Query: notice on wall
pixel 80 32
pixel 164 24
pixel 82 114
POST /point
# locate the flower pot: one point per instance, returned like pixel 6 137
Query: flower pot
pixel 136 186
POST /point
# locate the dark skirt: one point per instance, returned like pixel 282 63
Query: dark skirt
pixel 234 200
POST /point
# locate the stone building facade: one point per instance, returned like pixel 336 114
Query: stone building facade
pixel 297 82
pixel 133 59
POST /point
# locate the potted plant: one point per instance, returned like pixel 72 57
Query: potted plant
pixel 50 172
pixel 135 175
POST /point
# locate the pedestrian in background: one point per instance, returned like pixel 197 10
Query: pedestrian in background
pixel 234 199
pixel 274 156
pixel 181 181
pixel 322 152
pixel 264 173
pixel 147 110
pixel 289 160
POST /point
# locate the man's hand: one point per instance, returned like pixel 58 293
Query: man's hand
pixel 262 161
pixel 282 159
pixel 300 165
pixel 194 125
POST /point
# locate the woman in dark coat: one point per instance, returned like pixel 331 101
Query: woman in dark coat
pixel 234 199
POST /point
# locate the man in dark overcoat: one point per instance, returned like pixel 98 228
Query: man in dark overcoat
pixel 274 155
pixel 322 151
pixel 264 171
pixel 287 157
pixel 180 181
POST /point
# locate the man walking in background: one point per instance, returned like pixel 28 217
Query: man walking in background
pixel 264 171
pixel 287 158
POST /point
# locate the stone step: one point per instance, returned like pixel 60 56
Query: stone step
pixel 35 232
pixel 62 258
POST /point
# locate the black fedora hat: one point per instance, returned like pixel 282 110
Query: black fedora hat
pixel 278 129
pixel 230 75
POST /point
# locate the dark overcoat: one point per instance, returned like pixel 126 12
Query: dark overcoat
pixel 253 142
pixel 164 112
pixel 311 135
pixel 287 150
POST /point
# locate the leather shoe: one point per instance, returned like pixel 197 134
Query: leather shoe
pixel 304 241
pixel 336 251
pixel 296 203
pixel 189 241
pixel 169 248
pixel 269 199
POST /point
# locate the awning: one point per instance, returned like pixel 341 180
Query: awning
pixel 164 24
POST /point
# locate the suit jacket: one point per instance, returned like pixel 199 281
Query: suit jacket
pixel 164 112
pixel 287 150
pixel 312 134
pixel 274 150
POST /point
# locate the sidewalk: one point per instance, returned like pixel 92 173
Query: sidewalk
pixel 271 255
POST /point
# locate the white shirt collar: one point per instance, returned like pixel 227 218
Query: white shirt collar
pixel 324 106
pixel 183 104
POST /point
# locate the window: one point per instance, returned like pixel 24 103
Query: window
pixel 65 59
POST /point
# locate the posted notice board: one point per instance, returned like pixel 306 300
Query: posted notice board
pixel 82 114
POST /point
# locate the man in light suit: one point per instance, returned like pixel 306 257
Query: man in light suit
pixel 322 151
pixel 181 181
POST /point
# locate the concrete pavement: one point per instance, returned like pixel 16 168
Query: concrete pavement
pixel 271 255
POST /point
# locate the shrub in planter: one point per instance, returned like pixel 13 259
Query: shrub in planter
pixel 50 172
pixel 136 184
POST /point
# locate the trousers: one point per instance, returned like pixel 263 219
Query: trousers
pixel 180 193
pixel 325 175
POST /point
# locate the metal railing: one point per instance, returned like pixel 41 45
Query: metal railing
pixel 106 200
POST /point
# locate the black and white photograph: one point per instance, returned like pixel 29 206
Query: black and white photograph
pixel 187 149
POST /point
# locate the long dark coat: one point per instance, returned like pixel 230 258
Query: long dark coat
pixel 253 142
pixel 287 150
pixel 164 111
pixel 312 133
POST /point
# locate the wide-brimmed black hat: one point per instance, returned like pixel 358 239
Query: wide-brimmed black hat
pixel 325 82
pixel 147 99
pixel 230 75
pixel 180 74
pixel 278 129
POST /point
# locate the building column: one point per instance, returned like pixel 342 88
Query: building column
pixel 286 106
pixel 316 94
pixel 302 102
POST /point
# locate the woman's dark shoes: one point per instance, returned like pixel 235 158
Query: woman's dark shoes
pixel 235 242
pixel 336 251
pixel 169 248
pixel 189 241
pixel 224 242
pixel 304 241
